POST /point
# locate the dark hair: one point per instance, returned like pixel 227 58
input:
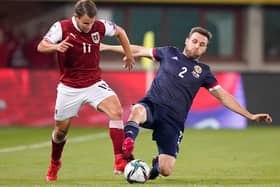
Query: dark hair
pixel 85 7
pixel 202 31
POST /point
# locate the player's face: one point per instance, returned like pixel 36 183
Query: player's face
pixel 85 23
pixel 196 45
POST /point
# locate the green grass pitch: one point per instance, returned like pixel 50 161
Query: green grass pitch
pixel 249 157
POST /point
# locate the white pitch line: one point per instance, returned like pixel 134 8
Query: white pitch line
pixel 46 144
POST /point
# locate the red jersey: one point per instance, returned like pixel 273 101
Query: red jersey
pixel 79 65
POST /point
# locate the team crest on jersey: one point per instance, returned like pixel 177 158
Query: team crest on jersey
pixel 95 37
pixel 197 71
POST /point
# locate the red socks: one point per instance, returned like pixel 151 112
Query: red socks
pixel 117 135
pixel 57 149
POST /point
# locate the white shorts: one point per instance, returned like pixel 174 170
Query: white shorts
pixel 69 100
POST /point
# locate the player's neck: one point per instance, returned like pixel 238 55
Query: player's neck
pixel 188 56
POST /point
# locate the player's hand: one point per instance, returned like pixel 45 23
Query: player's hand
pixel 128 62
pixel 262 118
pixel 64 45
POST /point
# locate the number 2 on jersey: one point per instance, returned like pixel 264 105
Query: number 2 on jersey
pixel 184 70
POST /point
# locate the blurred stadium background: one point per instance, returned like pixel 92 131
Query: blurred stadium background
pixel 244 54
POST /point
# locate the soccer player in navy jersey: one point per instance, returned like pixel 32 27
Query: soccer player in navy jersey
pixel 76 41
pixel 168 101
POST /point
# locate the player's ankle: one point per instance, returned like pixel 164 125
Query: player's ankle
pixel 131 130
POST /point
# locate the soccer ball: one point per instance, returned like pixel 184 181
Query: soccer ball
pixel 136 171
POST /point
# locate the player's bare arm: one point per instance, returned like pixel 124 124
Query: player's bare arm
pixel 230 102
pixel 48 47
pixel 114 48
pixel 122 36
pixel 137 50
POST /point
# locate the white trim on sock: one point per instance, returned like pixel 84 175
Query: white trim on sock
pixel 117 124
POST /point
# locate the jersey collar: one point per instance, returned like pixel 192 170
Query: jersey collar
pixel 75 24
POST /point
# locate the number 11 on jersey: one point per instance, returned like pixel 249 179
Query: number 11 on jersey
pixel 86 48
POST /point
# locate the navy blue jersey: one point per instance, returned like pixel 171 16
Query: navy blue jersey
pixel 177 81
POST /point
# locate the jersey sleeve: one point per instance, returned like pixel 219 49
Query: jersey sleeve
pixel 210 81
pixel 158 53
pixel 110 27
pixel 54 34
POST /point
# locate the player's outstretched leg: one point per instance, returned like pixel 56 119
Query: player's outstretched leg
pixel 121 160
pixel 155 169
pixel 127 147
pixel 131 131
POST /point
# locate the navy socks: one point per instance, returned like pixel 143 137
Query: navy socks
pixel 155 169
pixel 131 129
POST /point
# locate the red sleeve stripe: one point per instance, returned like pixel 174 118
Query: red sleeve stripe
pixel 154 52
pixel 213 86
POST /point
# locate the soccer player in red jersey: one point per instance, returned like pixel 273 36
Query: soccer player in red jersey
pixel 77 41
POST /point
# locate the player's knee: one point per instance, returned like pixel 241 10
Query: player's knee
pixel 138 110
pixel 59 135
pixel 166 164
pixel 166 170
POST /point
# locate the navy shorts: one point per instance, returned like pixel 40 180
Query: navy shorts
pixel 166 131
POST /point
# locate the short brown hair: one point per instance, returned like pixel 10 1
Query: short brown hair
pixel 85 7
pixel 202 31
